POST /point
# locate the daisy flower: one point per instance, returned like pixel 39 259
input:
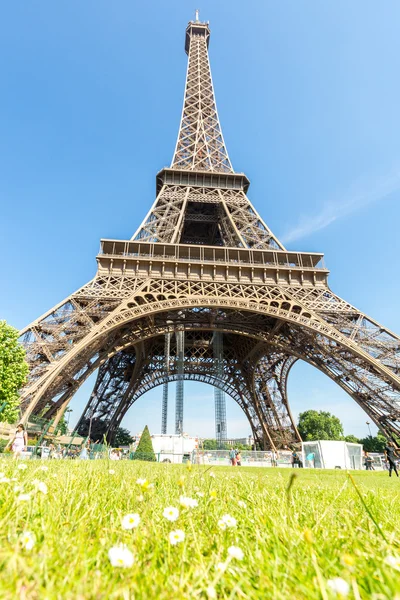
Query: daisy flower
pixel 220 567
pixel 27 540
pixel 339 586
pixel 210 591
pixel 130 521
pixel 120 556
pixel 176 537
pixel 171 513
pixel 226 522
pixel 40 486
pixel 188 502
pixel 393 561
pixel 24 498
pixel 235 552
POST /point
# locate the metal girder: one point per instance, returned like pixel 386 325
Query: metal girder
pixel 203 251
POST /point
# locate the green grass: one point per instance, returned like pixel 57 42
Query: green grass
pixel 294 540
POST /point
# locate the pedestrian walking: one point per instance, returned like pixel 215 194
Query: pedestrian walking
pixel 19 443
pixel 391 455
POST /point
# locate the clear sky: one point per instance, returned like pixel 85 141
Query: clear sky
pixel 308 96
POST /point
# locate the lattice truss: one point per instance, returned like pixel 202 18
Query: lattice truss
pixel 118 321
pixel 200 144
pixel 270 419
pixel 214 217
pixel 316 326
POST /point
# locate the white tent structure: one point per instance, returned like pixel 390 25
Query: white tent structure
pixel 327 454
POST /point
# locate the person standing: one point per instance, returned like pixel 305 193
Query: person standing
pixel 295 458
pixel 20 441
pixel 232 457
pixel 390 455
pixel 274 458
pixel 368 462
pixel 238 458
pixel 310 460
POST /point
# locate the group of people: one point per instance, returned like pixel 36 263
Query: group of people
pixel 235 457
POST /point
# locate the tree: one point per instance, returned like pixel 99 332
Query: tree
pixel 319 425
pixel 123 437
pixel 374 444
pixel 13 372
pixel 62 427
pixel 351 439
pixel 210 444
pixel 145 450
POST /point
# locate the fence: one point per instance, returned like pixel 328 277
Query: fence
pixel 248 458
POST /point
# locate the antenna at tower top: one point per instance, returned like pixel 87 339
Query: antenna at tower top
pixel 197 14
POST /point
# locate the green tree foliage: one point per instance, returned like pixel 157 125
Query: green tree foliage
pixel 210 444
pixel 352 439
pixel 145 450
pixel 374 444
pixel 62 427
pixel 123 437
pixel 319 425
pixel 13 372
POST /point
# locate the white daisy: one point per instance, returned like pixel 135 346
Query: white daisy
pixel 120 556
pixel 235 552
pixel 176 537
pixel 221 567
pixel 40 486
pixel 27 540
pixel 24 498
pixel 130 521
pixel 226 522
pixel 339 585
pixel 188 502
pixel 22 467
pixel 393 561
pixel 211 592
pixel 171 513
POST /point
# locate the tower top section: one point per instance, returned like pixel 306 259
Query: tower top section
pixel 200 145
pixel 196 28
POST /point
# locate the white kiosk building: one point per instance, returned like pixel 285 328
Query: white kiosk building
pixel 327 454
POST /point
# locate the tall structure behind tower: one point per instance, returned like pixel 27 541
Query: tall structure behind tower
pixel 219 395
pixel 164 411
pixel 180 349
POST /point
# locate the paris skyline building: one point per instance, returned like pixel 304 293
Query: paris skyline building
pixel 202 265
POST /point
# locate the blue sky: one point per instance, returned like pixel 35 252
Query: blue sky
pixel 308 95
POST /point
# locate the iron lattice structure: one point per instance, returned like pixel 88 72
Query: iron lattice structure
pixel 203 262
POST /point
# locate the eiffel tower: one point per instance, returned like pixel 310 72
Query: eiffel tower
pixel 203 263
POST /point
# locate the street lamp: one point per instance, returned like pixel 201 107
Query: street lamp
pixel 370 434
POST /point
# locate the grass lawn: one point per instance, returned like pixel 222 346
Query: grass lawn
pixel 297 536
